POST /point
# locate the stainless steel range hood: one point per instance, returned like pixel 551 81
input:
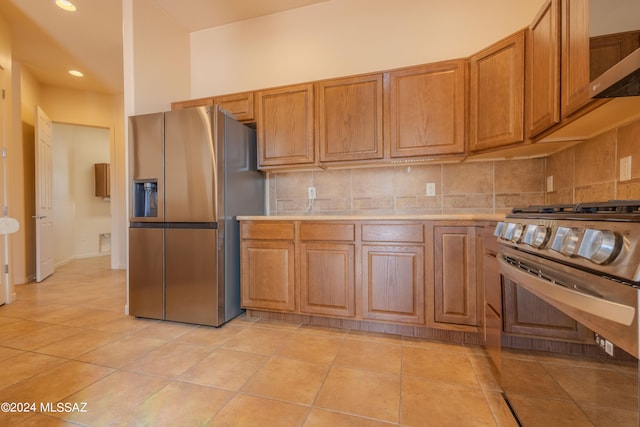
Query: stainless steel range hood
pixel 623 79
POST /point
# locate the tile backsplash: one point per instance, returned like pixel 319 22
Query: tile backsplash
pixel 483 187
pixel 588 171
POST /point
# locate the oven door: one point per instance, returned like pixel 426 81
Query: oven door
pixel 550 389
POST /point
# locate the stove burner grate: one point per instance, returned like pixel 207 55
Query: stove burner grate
pixel 603 208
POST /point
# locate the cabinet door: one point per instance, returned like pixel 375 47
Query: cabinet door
pixel 285 126
pixel 393 283
pixel 455 283
pixel 492 305
pixel 239 104
pixel 526 314
pixel 267 275
pixel 350 118
pixel 496 94
pixel 427 109
pixel 200 102
pixel 575 55
pixel 543 69
pixel 606 51
pixel 327 279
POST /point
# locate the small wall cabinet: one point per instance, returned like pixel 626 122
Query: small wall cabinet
pixel 102 180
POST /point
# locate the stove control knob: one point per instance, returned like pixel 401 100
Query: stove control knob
pixel 517 233
pixel 536 235
pixel 500 228
pixel 600 246
pixel 566 241
pixel 509 227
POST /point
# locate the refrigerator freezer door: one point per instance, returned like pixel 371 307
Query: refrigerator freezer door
pixel 146 269
pixel 146 164
pixel 190 166
pixel 192 276
pixel 244 194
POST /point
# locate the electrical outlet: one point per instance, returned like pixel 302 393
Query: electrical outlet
pixel 431 189
pixel 608 347
pixel 550 184
pixel 604 344
pixel 625 168
pixel 312 193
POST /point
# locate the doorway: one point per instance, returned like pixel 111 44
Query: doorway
pixel 82 219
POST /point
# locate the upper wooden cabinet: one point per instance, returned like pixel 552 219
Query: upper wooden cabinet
pixel 607 50
pixel 349 121
pixel 557 63
pixel 426 109
pixel 543 69
pixel 200 102
pixel 496 94
pixel 239 104
pixel 574 82
pixel 285 126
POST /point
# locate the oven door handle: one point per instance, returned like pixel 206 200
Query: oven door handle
pixel 554 293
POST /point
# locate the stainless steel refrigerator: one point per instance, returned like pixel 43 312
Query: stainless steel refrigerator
pixel 191 172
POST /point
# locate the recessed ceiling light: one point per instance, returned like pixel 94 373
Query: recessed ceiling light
pixel 66 5
pixel 76 73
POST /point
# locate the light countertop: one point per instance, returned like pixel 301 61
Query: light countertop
pixel 430 217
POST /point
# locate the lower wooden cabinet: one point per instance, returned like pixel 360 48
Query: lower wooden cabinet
pixel 456 298
pixel 267 269
pixel 362 271
pixel 490 281
pixel 327 279
pixel 393 283
pixel 526 314
pixel 268 275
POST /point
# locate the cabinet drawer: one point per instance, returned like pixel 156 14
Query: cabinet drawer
pixel 327 232
pixel 267 230
pixel 411 233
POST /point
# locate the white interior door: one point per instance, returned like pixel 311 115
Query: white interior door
pixel 44 196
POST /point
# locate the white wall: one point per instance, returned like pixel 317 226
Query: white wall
pixel 79 216
pixel 7 139
pixel 156 58
pixel 345 37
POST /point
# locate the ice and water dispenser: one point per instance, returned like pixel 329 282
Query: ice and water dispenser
pixel 145 198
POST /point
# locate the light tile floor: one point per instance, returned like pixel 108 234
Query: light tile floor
pixel 67 340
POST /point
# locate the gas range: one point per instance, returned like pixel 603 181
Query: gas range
pixel 603 238
pixel 584 261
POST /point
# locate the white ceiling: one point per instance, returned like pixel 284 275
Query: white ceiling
pixel 49 41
